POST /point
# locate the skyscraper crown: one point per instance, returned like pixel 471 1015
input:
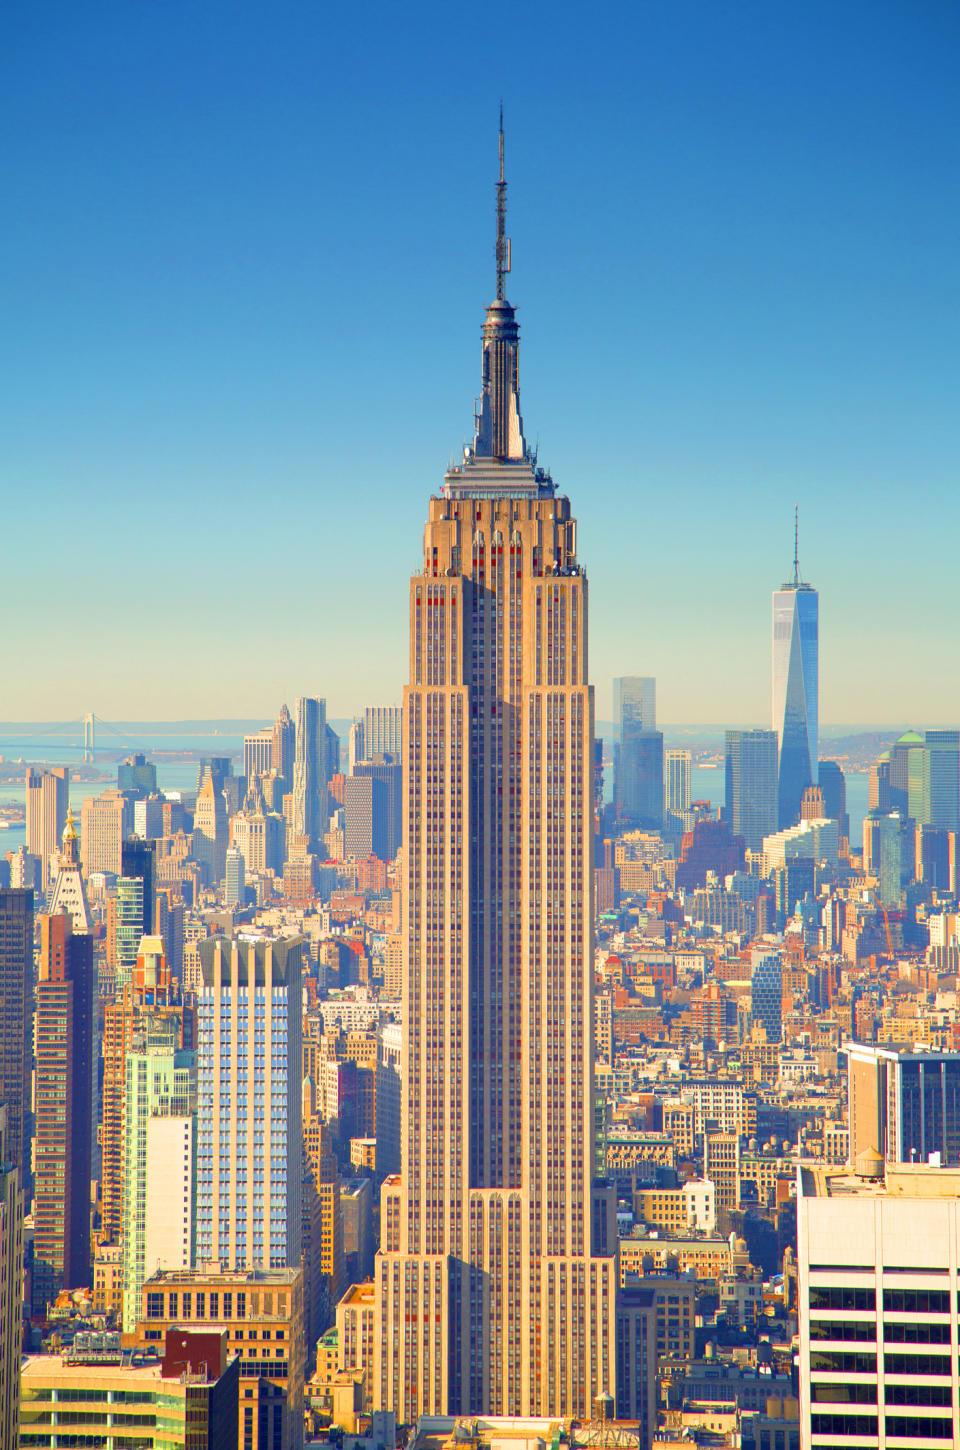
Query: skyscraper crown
pixel 499 462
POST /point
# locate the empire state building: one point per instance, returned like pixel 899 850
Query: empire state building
pixel 497 1275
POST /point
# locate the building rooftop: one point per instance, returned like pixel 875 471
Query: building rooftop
pixel 134 1367
pixel 901 1180
pixel 272 1278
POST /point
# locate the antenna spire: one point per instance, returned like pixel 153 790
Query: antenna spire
pixel 796 544
pixel 503 242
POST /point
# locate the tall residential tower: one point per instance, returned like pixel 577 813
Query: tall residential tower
pixel 796 647
pixel 496 1278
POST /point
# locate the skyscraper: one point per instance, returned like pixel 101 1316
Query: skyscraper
pixel 68 894
pixel 144 1002
pixel 249 1077
pixel 105 822
pixel 16 1018
pixel 496 1278
pixel 766 978
pixel 634 700
pixel 940 798
pixel 750 790
pixel 677 772
pixel 160 1084
pixel 258 753
pixel 47 798
pixel 638 752
pixel 903 1105
pixel 11 1288
pixel 284 744
pixel 833 784
pixel 382 731
pixel 210 829
pixel 309 771
pixel 795 690
pixel 64 1110
pixel 235 886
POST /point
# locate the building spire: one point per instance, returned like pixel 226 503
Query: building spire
pixel 503 241
pixel 796 545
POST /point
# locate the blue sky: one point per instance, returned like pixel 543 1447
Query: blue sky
pixel 246 254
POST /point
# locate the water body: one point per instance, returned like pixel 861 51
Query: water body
pixel 64 746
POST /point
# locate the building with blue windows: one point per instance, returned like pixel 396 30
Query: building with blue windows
pixel 796 647
pixel 249 1135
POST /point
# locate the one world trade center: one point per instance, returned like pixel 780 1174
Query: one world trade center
pixel 795 673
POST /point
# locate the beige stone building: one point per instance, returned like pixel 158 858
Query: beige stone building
pixel 262 1313
pixel 496 1278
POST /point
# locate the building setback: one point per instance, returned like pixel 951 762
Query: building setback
pixel 493 1235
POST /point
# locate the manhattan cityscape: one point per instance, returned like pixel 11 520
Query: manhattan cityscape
pixel 500 991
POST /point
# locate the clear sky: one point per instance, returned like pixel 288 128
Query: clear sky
pixel 245 255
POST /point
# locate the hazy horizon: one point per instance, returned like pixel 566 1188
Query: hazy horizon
pixel 243 340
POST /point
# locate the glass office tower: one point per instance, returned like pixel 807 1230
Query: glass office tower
pixel 795 692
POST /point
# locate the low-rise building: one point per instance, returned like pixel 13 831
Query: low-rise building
pixel 261 1311
pixel 94 1393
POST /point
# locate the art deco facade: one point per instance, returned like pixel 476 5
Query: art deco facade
pixel 496 1278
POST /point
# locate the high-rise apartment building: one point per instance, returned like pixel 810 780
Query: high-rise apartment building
pixel 160 1085
pixel 795 675
pixel 144 1003
pixel 47 800
pixel 310 771
pixel 132 907
pixel 11 1289
pixel 106 821
pixel 16 1019
pixel 249 1075
pixel 766 991
pixel 677 780
pixel 496 1277
pixel 64 1039
pixel 750 793
pixel 382 731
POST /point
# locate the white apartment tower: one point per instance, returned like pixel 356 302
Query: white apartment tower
pixel 249 1085
pixel 497 1274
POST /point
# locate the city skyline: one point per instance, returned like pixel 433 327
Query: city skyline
pixel 788 279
